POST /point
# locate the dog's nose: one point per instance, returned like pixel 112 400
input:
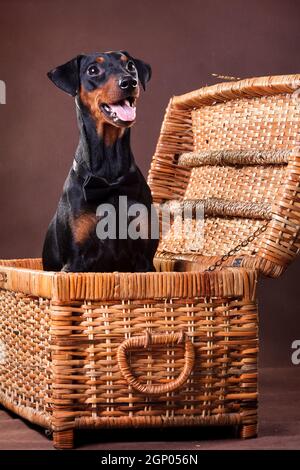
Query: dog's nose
pixel 127 82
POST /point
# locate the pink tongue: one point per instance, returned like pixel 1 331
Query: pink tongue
pixel 124 111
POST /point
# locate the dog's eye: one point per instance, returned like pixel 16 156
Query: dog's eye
pixel 130 66
pixel 94 71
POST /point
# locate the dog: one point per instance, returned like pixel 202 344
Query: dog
pixel 106 87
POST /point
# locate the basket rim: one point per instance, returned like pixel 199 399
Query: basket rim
pixel 244 88
pixel 65 287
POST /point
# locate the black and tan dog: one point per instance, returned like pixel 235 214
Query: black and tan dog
pixel 106 88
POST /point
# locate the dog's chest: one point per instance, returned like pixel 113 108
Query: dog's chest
pixel 118 218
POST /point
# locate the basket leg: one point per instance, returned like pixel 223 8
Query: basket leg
pixel 63 439
pixel 247 431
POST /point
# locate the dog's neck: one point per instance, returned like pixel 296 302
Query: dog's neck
pixel 106 153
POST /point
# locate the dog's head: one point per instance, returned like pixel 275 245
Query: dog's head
pixel 107 85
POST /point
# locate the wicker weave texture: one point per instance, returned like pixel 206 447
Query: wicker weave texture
pixel 257 123
pixel 192 357
pixel 223 338
pixel 25 367
pixel 257 116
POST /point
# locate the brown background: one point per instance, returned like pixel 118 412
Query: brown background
pixel 185 42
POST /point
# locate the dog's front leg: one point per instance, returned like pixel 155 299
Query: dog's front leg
pixel 67 268
pixel 76 263
pixel 75 266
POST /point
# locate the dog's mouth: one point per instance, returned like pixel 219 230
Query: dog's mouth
pixel 122 112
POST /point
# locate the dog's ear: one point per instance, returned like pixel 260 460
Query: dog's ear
pixel 143 69
pixel 66 76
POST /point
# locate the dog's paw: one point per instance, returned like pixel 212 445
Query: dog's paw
pixel 66 269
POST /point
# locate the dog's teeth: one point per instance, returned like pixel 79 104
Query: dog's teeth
pixel 129 103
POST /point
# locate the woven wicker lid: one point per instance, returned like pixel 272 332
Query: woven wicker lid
pixel 232 149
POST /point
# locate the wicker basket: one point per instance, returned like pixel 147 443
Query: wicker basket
pixel 167 348
pixel 120 350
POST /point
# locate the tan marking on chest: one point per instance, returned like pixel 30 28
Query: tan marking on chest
pixel 83 226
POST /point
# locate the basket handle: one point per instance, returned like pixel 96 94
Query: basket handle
pixel 138 342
